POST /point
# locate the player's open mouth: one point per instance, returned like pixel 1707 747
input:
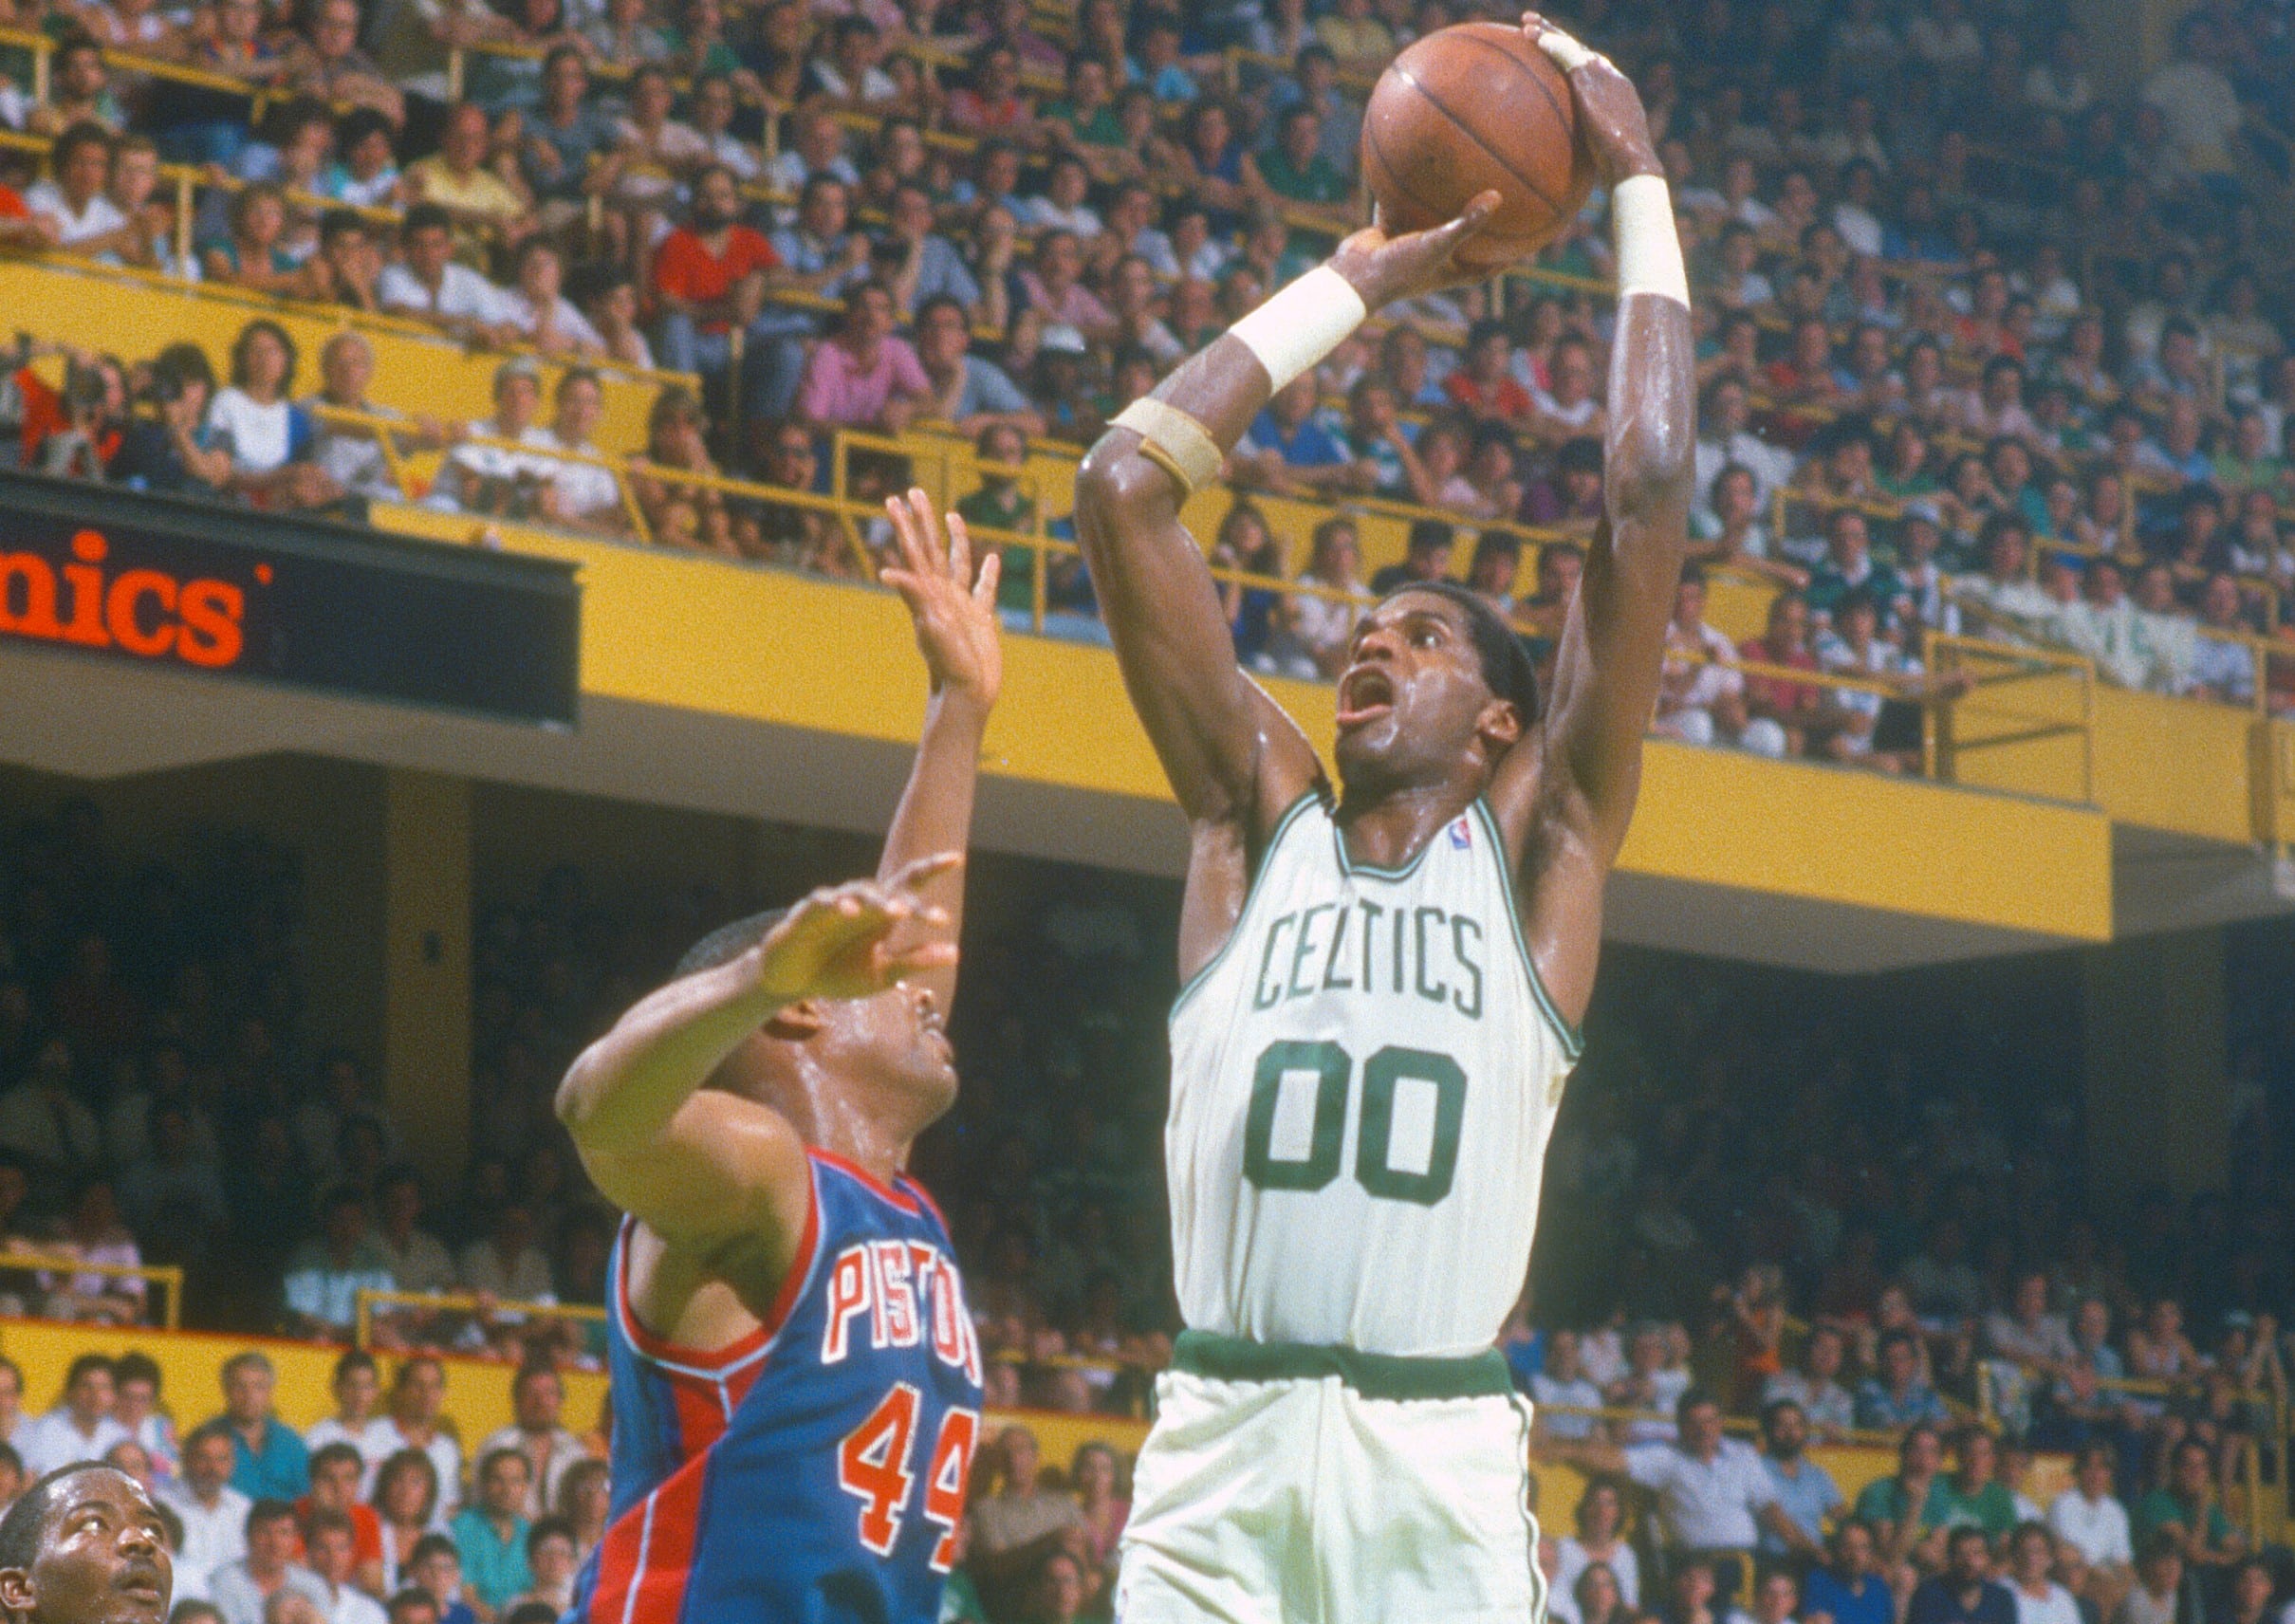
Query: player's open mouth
pixel 1365 694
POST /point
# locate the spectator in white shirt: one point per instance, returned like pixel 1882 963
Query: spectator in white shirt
pixel 507 1264
pixel 417 1407
pixel 80 1428
pixel 2039 1598
pixel 1599 1540
pixel 584 496
pixel 1816 1386
pixel 357 1419
pixel 246 1590
pixel 537 1398
pixel 432 287
pixel 419 1261
pixel 1701 694
pixel 332 1545
pixel 2091 1521
pixel 494 478
pixel 2025 1333
pixel 1561 1382
pixel 1715 1497
pixel 213 1514
pixel 540 311
pixel 74 202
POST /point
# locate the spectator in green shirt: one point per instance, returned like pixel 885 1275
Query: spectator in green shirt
pixel 1000 504
pixel 1087 114
pixel 1907 1511
pixel 1294 167
pixel 1974 1496
pixel 2187 1509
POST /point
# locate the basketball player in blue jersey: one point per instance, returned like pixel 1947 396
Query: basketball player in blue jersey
pixel 1383 978
pixel 796 1380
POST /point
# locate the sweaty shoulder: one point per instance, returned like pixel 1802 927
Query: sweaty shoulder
pixel 704 1298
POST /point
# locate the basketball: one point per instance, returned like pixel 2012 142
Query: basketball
pixel 1472 108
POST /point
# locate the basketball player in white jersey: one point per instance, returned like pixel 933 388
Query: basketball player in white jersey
pixel 1383 980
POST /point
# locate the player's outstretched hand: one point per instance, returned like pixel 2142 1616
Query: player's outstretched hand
pixel 847 941
pixel 953 604
pixel 1385 268
pixel 1610 115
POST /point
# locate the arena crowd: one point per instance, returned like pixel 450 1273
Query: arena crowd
pixel 1983 348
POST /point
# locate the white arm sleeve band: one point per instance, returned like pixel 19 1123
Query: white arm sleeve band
pixel 1649 249
pixel 1302 323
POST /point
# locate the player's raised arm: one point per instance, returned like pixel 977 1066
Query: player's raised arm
pixel 953 606
pixel 708 1169
pixel 1566 805
pixel 1233 757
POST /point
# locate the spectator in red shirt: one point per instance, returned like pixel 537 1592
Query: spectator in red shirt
pixel 19 228
pixel 1482 382
pixel 992 103
pixel 335 1474
pixel 709 276
pixel 1795 707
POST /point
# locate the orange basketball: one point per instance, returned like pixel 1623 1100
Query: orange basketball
pixel 1471 109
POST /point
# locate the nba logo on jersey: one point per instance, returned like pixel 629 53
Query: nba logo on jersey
pixel 1462 835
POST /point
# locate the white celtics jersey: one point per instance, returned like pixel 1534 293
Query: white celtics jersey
pixel 1362 1084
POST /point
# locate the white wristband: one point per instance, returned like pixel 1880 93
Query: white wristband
pixel 1302 323
pixel 1649 249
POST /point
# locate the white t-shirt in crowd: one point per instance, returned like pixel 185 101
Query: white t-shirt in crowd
pixel 54 1441
pixel 2055 1606
pixel 1621 1562
pixel 261 438
pixel 1705 1504
pixel 2098 1529
pixel 214 1536
pixel 100 216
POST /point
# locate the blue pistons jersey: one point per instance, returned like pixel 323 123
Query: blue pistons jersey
pixel 815 1471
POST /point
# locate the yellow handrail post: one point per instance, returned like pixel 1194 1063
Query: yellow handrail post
pixel 43 65
pixel 455 65
pixel 184 205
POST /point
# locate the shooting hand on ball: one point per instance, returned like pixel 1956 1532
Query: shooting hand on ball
pixel 1610 118
pixel 1384 268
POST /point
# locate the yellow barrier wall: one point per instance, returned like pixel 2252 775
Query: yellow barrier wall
pixel 685 632
pixel 2175 764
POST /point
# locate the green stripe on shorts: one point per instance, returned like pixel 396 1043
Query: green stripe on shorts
pixel 1374 1375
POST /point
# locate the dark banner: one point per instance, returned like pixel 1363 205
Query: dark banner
pixel 186 587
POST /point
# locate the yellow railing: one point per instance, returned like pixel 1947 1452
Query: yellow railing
pixel 2016 697
pixel 370 1302
pixel 167 1276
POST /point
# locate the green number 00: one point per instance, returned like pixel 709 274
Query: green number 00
pixel 1333 1069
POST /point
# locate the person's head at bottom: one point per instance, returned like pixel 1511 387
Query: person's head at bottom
pixel 84 1545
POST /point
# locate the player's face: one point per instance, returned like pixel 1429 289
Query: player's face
pixel 897 1037
pixel 103 1557
pixel 1413 702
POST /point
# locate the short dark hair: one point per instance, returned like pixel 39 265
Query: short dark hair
pixel 265 1512
pixel 1692 1397
pixel 431 1545
pixel 324 1521
pixel 87 1364
pixel 359 123
pixel 421 217
pixel 407 1600
pixel 137 1365
pixel 338 1450
pixel 21 1529
pixel 1776 1406
pixel 84 134
pixel 1506 670
pixel 549 1527
pixel 1430 535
